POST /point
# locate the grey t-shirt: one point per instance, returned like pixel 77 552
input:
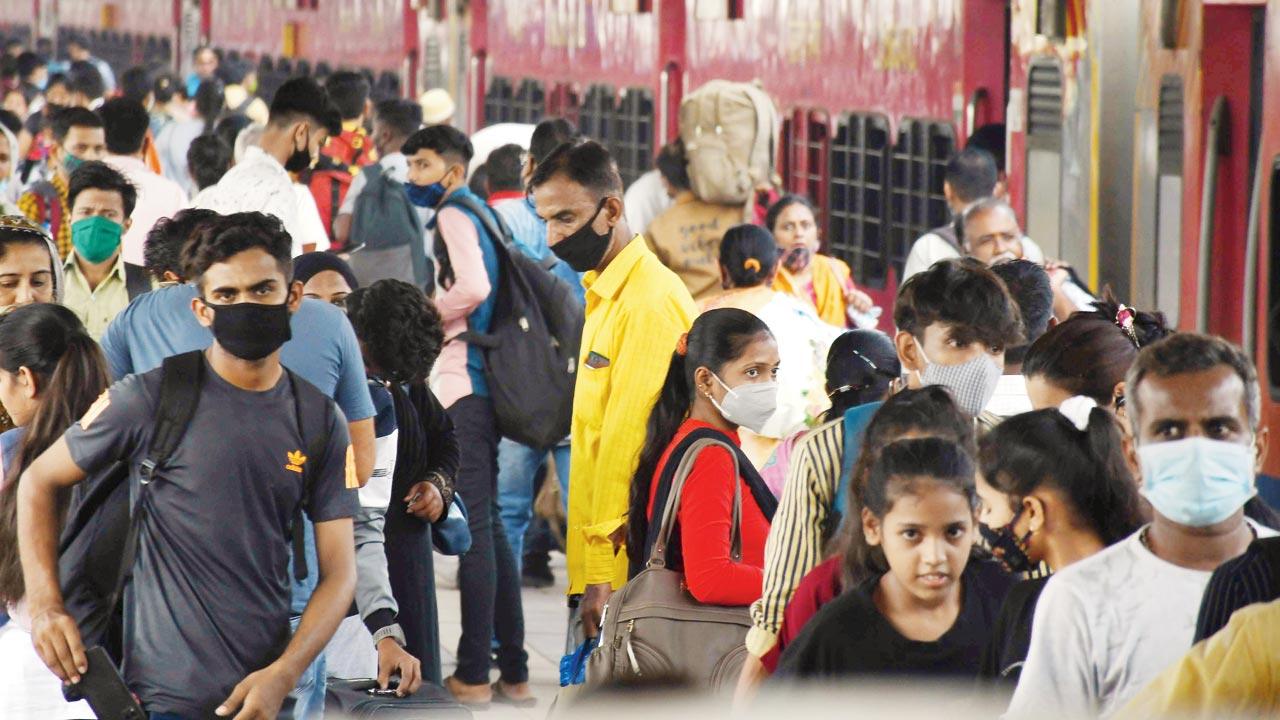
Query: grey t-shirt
pixel 209 600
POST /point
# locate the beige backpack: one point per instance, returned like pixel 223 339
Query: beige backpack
pixel 729 132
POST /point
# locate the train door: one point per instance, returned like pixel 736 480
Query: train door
pixel 1263 245
pixel 1230 121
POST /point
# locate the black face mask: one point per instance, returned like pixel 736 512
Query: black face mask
pixel 300 160
pixel 251 331
pixel 585 248
pixel 1008 548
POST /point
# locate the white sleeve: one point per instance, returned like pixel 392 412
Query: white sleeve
pixel 1032 251
pixel 308 228
pixel 1059 677
pixel 926 251
pixel 348 206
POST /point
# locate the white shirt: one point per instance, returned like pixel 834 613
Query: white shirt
pixel 491 137
pixel 312 230
pixel 158 197
pixel 1011 397
pixel 930 248
pixel 645 200
pixel 258 183
pixel 1105 627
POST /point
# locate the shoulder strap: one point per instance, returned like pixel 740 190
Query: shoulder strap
pixel 180 381
pixel 671 486
pixel 491 221
pixel 136 280
pixel 856 420
pixel 314 413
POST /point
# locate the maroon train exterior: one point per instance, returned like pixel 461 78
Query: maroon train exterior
pixel 1138 146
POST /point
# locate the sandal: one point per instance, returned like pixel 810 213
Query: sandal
pixel 500 696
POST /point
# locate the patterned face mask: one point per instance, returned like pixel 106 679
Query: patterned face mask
pixel 972 384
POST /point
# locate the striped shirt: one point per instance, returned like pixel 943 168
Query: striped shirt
pixel 1254 577
pixel 795 538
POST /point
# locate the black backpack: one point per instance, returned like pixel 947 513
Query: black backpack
pixel 99 543
pixel 531 349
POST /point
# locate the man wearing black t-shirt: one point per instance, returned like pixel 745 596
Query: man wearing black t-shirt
pixel 207 615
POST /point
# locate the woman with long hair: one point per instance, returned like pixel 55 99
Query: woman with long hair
pixel 51 371
pixel 721 378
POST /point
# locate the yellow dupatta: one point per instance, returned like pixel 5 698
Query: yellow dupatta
pixel 830 277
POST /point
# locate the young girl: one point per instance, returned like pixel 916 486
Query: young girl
pixel 1054 490
pixel 926 608
pixel 721 377
pixel 819 280
pixel 50 373
pixel 928 412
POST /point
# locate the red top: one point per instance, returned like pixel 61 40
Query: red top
pixel 706 520
pixel 498 196
pixel 819 587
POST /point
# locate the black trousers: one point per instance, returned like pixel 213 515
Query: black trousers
pixel 488 581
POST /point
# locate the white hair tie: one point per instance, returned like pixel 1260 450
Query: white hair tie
pixel 1077 409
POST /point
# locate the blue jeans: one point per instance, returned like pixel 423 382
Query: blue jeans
pixel 309 693
pixel 517 476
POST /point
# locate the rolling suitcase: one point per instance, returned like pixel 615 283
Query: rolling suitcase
pixel 352 699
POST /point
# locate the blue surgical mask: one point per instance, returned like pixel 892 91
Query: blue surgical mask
pixel 1197 482
pixel 425 196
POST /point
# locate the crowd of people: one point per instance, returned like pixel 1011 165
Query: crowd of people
pixel 249 382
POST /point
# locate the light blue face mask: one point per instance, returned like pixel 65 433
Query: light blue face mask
pixel 1197 482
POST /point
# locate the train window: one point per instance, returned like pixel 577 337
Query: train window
pixel 1044 155
pixel 529 103
pixel 807 139
pixel 719 9
pixel 917 167
pixel 856 197
pixel 1169 153
pixel 497 101
pixel 433 63
pixel 1273 282
pixel 623 124
pixel 1171 23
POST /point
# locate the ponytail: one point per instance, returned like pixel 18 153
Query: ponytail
pixel 1085 465
pixel 748 255
pixel 1112 509
pixel 717 337
pixel 669 412
pixel 71 372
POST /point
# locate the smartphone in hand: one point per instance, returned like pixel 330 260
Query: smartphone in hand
pixel 104 690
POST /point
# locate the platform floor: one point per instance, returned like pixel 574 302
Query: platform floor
pixel 545 618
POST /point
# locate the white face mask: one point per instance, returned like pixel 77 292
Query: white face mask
pixel 750 405
pixel 972 384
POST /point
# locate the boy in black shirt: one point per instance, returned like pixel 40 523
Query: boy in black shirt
pixel 207 613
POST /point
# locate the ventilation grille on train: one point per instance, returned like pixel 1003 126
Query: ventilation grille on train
pixel 1044 100
pixel 1170 125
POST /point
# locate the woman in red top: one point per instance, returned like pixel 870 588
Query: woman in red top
pixel 721 378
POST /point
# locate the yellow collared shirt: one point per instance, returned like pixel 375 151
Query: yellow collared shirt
pixel 98 306
pixel 636 311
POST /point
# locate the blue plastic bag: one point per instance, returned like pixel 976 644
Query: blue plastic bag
pixel 450 535
pixel 573 667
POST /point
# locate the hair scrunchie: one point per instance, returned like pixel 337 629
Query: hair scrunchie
pixel 1077 409
pixel 751 264
pixel 682 345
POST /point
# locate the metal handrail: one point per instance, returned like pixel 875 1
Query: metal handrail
pixel 1252 240
pixel 1215 145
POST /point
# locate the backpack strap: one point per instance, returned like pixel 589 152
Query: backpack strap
pixel 137 281
pixel 491 221
pixel 180 380
pixel 314 413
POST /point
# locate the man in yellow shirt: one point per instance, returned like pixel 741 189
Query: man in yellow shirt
pixel 1235 673
pixel 636 311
